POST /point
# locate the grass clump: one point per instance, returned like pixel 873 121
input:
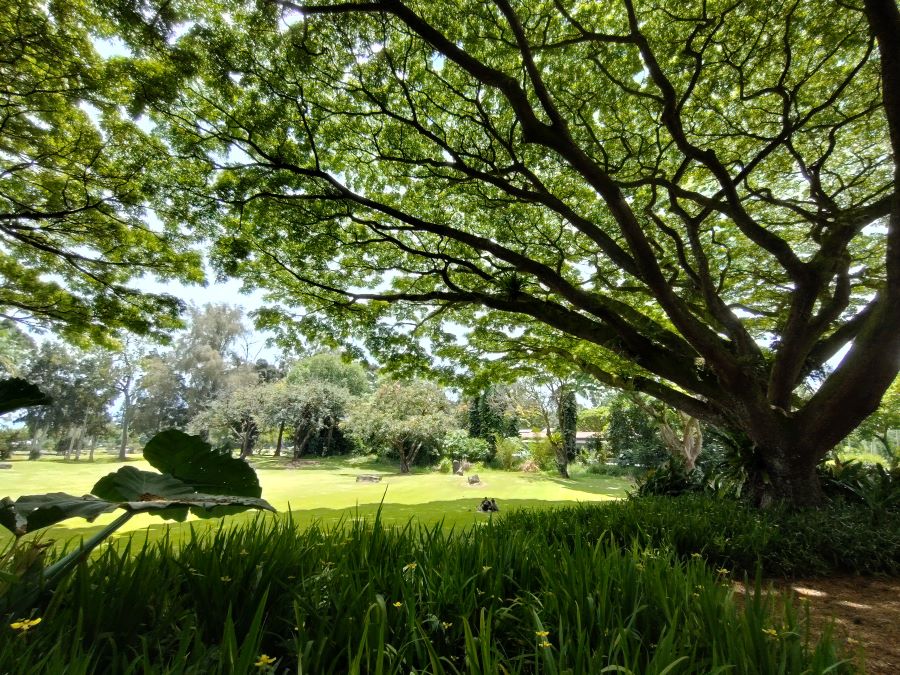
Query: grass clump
pixel 523 596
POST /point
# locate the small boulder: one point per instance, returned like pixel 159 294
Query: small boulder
pixel 5 465
pixel 474 479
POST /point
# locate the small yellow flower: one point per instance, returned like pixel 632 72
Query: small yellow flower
pixel 398 604
pixel 485 569
pixel 770 631
pixel 545 644
pixel 246 552
pixel 542 633
pixel 24 625
pixel 696 595
pixel 225 579
pixel 409 567
pixel 446 624
pixel 265 661
pixel 723 570
pixel 696 555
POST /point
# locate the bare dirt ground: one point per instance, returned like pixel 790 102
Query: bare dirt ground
pixel 865 613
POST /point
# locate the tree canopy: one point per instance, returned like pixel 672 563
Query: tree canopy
pixel 76 178
pixel 698 202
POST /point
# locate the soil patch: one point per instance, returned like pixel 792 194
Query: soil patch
pixel 864 612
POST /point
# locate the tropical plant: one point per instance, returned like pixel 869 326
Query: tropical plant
pixel 192 478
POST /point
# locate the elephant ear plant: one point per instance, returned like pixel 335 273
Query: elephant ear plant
pixel 192 478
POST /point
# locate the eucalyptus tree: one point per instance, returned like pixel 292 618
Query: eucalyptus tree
pixel 76 175
pixel 696 201
pixel 82 387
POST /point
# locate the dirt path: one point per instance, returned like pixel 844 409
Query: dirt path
pixel 865 611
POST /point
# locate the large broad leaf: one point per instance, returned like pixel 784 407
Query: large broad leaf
pixel 32 512
pixel 129 484
pixel 193 461
pixel 16 393
pixel 167 497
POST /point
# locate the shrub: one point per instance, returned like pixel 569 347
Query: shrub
pixel 509 453
pixel 670 478
pixel 841 538
pixel 543 452
pixel 9 440
pixel 458 445
pixel 869 484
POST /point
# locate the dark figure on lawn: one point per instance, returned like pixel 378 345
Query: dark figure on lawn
pixel 488 505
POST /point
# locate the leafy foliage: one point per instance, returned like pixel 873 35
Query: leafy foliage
pixel 75 178
pixel 368 598
pixel 697 204
pixel 405 420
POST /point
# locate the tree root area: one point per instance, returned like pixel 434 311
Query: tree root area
pixel 863 611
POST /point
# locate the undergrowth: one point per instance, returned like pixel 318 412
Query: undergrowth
pixel 532 594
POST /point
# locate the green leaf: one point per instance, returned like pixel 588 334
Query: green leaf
pixel 129 484
pixel 193 461
pixel 32 512
pixel 16 393
pixel 165 496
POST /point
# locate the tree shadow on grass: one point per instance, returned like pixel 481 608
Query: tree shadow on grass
pixel 456 515
pixel 613 486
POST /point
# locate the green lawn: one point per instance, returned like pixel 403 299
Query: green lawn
pixel 327 491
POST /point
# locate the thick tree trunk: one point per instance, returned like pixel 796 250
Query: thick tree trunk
pixel 37 443
pixel 562 465
pixel 300 445
pixel 92 445
pixel 787 479
pixel 280 438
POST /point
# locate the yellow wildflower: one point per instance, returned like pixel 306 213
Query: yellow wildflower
pixel 398 604
pixel 226 579
pixel 265 661
pixel 24 625
pixel 545 644
pixel 409 567
pixel 485 569
pixel 542 633
pixel 696 555
pixel 446 624
pixel 770 631
pixel 723 570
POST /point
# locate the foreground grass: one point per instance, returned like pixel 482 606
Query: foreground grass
pixel 365 598
pixel 326 491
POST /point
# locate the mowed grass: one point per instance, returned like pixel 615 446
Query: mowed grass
pixel 325 491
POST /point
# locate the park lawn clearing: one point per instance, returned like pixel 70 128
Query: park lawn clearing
pixel 323 490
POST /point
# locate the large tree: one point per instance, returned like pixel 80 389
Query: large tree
pixel 76 175
pixel 696 201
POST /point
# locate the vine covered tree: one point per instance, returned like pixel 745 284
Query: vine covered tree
pixel 698 202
